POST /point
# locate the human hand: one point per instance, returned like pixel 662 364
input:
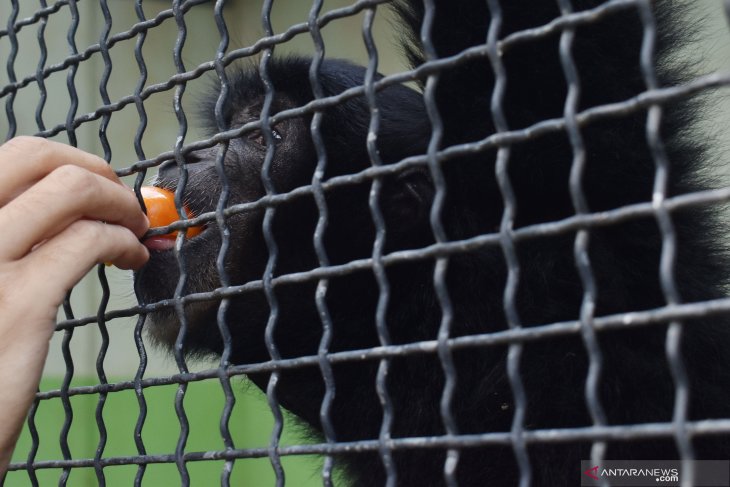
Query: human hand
pixel 63 211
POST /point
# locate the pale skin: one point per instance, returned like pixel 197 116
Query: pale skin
pixel 62 211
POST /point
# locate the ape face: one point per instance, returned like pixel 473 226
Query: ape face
pixel 405 201
pixel 246 256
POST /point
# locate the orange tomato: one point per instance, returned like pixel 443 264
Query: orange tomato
pixel 161 210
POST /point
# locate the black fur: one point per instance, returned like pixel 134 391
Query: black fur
pixel 636 385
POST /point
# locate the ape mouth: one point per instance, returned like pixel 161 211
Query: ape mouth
pixel 165 213
pixel 167 241
pixel 161 243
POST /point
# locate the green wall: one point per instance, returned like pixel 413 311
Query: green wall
pixel 250 425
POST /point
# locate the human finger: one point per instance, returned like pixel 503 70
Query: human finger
pixel 60 262
pixel 25 160
pixel 67 194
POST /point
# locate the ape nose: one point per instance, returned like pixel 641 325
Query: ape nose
pixel 200 155
pixel 170 170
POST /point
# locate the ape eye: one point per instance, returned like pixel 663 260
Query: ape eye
pixel 257 136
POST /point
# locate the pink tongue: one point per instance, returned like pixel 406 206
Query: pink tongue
pixel 159 243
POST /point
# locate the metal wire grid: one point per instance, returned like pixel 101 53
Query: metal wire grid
pixel 515 336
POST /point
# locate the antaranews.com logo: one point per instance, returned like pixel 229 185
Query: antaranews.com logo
pixel 639 473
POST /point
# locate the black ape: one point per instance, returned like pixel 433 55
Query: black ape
pixel 635 385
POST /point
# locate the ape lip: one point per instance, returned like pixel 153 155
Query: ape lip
pixel 166 242
pixel 159 243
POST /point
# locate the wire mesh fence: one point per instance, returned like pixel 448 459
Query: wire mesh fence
pixel 492 314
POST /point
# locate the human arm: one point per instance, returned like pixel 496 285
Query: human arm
pixel 63 211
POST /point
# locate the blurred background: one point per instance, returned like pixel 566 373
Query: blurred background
pixel 251 422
